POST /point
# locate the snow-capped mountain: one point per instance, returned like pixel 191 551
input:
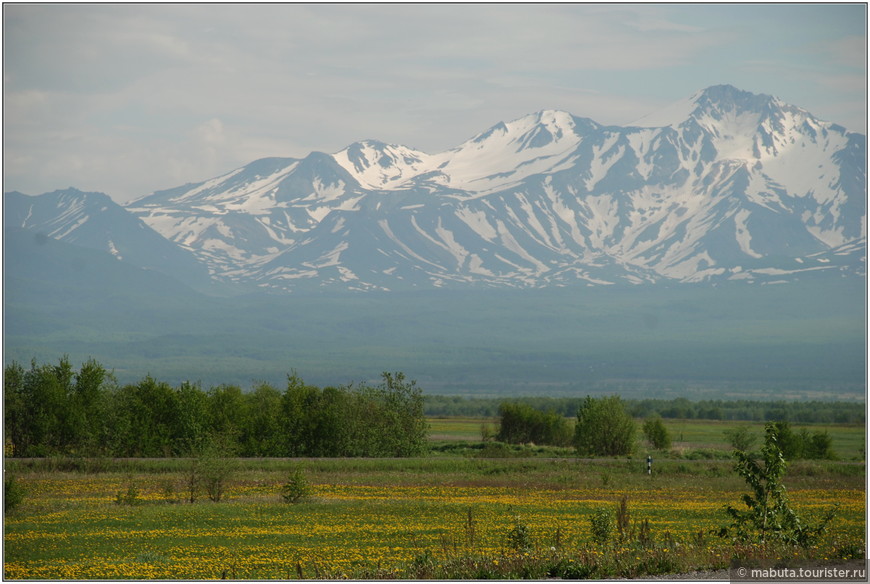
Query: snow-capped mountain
pixel 726 185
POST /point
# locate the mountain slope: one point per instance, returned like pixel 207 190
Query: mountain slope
pixel 656 257
pixel 721 183
pixel 94 221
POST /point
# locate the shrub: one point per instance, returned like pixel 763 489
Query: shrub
pixel 601 523
pixel 216 465
pixel 741 437
pixel 622 518
pixel 297 489
pixel 656 433
pixel 802 444
pixel 13 494
pixel 519 538
pixel 604 427
pixel 523 424
pixel 128 497
pixel 819 445
pixel 768 516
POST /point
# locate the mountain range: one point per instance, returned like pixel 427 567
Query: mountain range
pixel 725 185
pixel 720 243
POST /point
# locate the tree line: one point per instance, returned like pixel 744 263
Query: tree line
pixel 605 427
pixel 58 410
pixel 798 412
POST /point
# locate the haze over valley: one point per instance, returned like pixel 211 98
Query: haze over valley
pixel 715 248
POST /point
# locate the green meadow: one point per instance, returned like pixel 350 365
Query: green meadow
pixel 469 510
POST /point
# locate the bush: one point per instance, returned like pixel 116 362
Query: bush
pixel 297 489
pixel 741 438
pixel 128 497
pixel 601 523
pixel 656 433
pixel 769 516
pixel 216 465
pixel 819 445
pixel 13 494
pixel 523 424
pixel 604 427
pixel 802 444
pixel 519 538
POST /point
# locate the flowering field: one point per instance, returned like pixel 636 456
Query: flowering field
pixel 403 519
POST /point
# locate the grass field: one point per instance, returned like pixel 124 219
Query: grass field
pixel 438 517
pixel 849 441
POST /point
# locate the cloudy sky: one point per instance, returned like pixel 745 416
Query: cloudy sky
pixel 129 99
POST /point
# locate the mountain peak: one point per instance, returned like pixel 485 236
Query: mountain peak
pixel 724 98
pixel 719 187
pixel 546 128
pixel 377 165
pixel 726 93
pixel 711 101
pixel 553 120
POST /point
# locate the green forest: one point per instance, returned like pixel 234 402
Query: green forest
pixel 58 410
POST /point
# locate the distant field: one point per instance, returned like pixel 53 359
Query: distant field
pixel 849 441
pixel 463 429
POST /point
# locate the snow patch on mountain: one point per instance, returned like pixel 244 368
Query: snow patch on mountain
pixel 689 194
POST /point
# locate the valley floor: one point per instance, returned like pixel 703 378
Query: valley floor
pixel 438 517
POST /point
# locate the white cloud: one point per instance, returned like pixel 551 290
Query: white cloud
pixel 849 51
pixel 132 98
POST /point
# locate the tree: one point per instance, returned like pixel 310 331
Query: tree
pixel 820 445
pixel 226 410
pixel 604 427
pixel 261 435
pixel 768 516
pixel 297 403
pixel 522 424
pixel 788 442
pixel 741 437
pixel 54 409
pixel 384 420
pixel 328 423
pixel 803 444
pixel 656 433
pixel 87 408
pixel 149 419
pixel 192 421
pixel 15 407
pixel 403 401
pixel 43 399
pixel 216 465
pixel 515 423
